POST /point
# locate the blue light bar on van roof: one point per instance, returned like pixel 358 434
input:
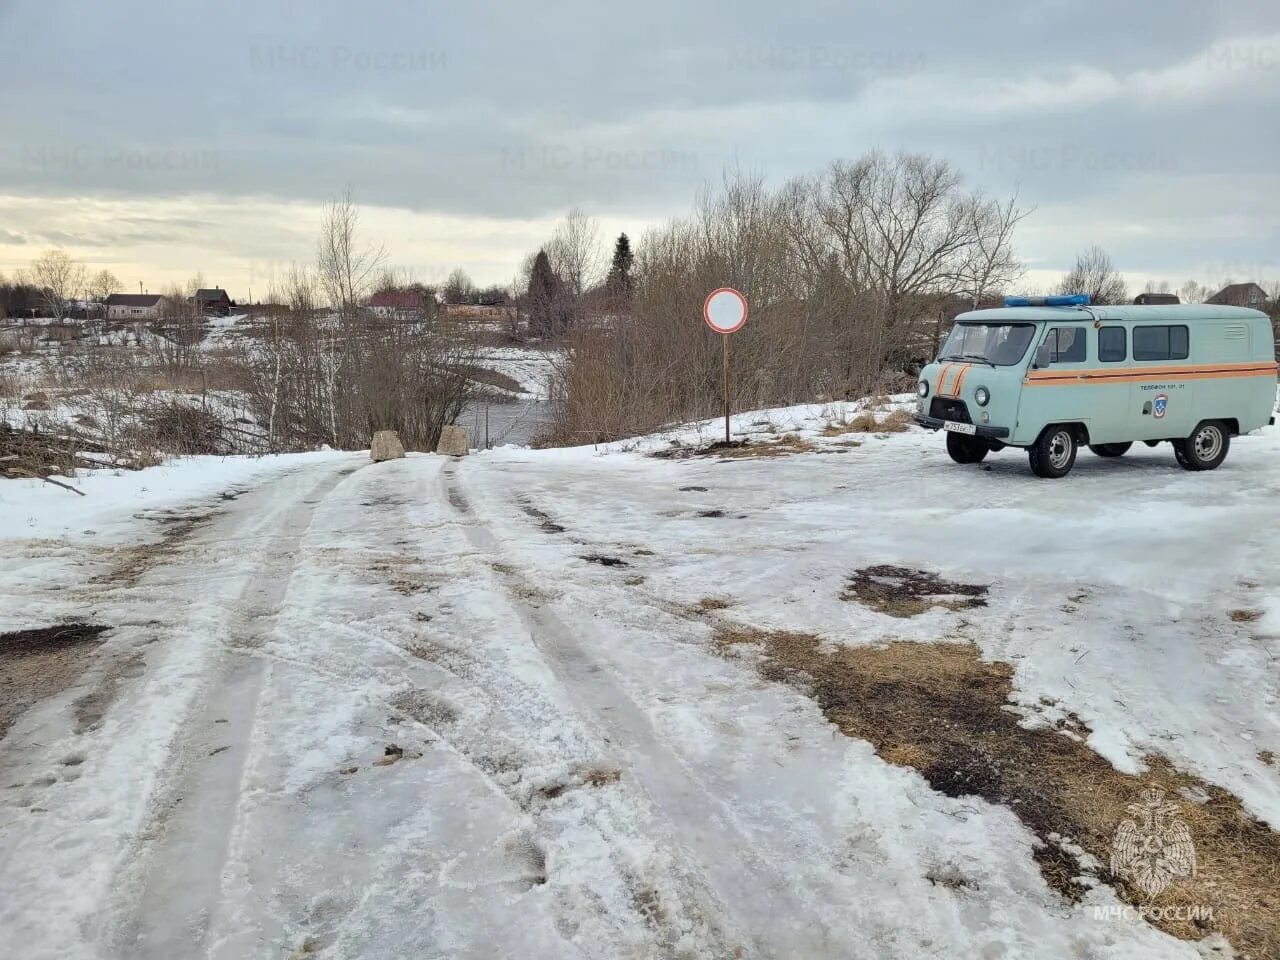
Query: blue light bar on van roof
pixel 1068 300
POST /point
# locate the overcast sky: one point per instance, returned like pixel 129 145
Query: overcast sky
pixel 159 139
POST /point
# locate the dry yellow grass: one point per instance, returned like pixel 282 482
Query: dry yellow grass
pixel 784 446
pixel 941 709
pixel 599 777
pixel 895 421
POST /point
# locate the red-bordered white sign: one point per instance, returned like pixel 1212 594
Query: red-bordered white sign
pixel 725 310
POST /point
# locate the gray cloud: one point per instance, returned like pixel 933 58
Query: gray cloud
pixel 1100 114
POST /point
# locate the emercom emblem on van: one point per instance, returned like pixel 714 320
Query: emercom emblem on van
pixel 1161 406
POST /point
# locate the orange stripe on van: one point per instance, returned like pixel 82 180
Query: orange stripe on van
pixel 959 384
pixel 942 379
pixel 1099 377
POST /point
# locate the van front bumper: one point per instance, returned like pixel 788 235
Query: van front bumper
pixel 990 433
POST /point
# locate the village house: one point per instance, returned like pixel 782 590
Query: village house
pixel 135 306
pixel 401 303
pixel 1241 295
pixel 213 302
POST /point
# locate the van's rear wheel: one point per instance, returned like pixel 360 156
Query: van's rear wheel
pixel 1110 449
pixel 967 449
pixel 1205 449
pixel 1054 454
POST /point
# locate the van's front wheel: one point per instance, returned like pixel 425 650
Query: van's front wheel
pixel 1205 449
pixel 1054 454
pixel 967 449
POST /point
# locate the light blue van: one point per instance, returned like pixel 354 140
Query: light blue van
pixel 1052 374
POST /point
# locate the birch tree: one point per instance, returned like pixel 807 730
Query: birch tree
pixel 574 252
pixel 347 266
pixel 60 280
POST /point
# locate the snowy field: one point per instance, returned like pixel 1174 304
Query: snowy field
pixel 478 708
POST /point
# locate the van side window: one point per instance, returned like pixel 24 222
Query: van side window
pixel 1113 346
pixel 1066 344
pixel 1161 343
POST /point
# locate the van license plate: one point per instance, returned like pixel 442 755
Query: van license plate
pixel 954 427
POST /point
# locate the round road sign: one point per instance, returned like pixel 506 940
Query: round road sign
pixel 725 310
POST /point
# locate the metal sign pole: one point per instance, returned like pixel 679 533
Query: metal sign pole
pixel 725 338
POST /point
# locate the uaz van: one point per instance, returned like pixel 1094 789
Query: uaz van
pixel 1051 374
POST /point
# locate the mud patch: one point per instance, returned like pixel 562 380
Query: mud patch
pixel 604 561
pixel 942 710
pixel 783 446
pixel 131 562
pixel 20 643
pixel 531 858
pixel 426 709
pixel 38 663
pixel 457 500
pixel 404 573
pixel 88 710
pixel 545 523
pixel 903 592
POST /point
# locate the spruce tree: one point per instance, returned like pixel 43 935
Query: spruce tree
pixel 547 316
pixel 619 281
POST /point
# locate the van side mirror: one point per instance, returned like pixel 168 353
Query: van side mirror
pixel 1044 356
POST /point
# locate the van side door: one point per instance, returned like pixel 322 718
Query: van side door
pixel 1112 386
pixel 1161 406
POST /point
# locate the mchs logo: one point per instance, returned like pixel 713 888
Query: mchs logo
pixel 1160 406
pixel 1153 849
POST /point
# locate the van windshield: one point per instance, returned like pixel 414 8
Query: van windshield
pixel 999 344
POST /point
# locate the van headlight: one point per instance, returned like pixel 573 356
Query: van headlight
pixel 982 395
pixel 922 388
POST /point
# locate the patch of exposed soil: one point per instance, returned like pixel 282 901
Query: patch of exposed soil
pixel 604 561
pixel 545 523
pixel 39 663
pixel 903 592
pixel 740 449
pixel 942 710
pixel 131 562
pixel 89 709
pixel 429 710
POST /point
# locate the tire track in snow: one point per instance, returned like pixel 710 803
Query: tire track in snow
pixel 175 883
pixel 748 887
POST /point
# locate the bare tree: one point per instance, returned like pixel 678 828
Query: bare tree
pixel 102 285
pixel 1193 292
pixel 345 264
pixel 391 279
pixel 899 226
pixel 990 264
pixel 574 251
pixel 301 290
pixel 458 288
pixel 60 280
pixel 1095 275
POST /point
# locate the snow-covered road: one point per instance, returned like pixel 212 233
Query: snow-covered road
pixel 473 709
